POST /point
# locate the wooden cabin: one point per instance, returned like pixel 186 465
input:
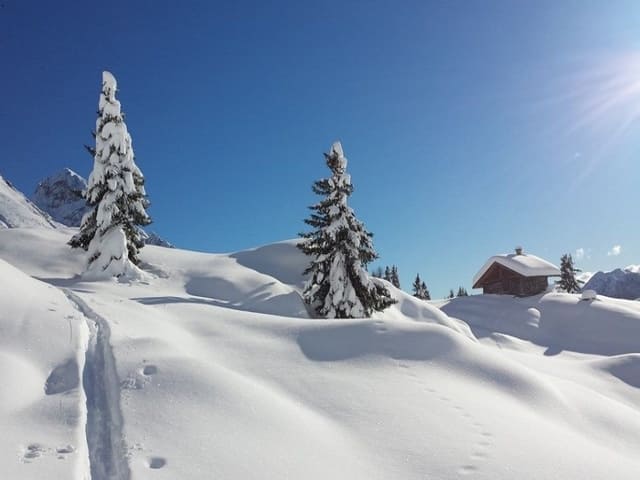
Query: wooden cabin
pixel 519 273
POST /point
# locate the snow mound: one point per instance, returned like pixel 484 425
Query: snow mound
pixel 17 211
pixel 224 281
pixel 617 283
pixel 624 367
pixel 558 321
pixel 61 196
pixel 283 261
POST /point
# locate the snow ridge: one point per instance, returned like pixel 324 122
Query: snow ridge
pixel 105 440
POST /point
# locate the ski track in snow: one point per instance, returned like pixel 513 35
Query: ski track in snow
pixel 105 441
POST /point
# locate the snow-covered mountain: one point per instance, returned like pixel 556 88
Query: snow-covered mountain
pixel 60 195
pixel 17 211
pixel 619 283
pixel 152 238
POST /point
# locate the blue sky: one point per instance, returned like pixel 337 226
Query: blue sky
pixel 470 127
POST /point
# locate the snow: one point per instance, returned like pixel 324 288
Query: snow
pixel 41 408
pixel 524 264
pixel 108 252
pixel 209 367
pixel 589 295
pixel 17 211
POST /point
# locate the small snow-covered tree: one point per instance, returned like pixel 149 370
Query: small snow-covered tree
pixel 340 248
pixel 568 281
pixel 420 289
pixel 427 295
pixel 395 279
pixel 451 294
pixel 387 274
pixel 116 192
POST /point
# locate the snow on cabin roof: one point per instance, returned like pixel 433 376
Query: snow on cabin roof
pixel 525 264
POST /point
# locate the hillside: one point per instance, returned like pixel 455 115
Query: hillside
pixel 17 211
pixel 217 350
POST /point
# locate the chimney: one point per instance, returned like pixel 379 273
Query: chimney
pixel 518 250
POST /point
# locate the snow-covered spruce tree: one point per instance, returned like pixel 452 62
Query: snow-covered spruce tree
pixel 568 281
pixel 427 295
pixel 462 292
pixel 116 192
pixel 395 279
pixel 420 289
pixel 340 249
pixel 387 274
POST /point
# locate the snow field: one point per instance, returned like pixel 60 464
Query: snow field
pixel 221 374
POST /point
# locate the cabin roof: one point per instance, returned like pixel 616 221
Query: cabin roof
pixel 524 264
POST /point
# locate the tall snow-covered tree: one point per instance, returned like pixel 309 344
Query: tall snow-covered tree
pixel 568 281
pixel 462 292
pixel 116 192
pixel 420 289
pixel 340 248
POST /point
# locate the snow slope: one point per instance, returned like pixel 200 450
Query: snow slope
pixel 41 408
pixel 17 211
pixel 212 368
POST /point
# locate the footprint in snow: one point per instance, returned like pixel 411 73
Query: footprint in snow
pixel 156 462
pixel 33 451
pixel 37 450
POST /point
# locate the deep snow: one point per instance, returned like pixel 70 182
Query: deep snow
pixel 218 372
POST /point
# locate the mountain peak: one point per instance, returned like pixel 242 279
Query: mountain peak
pixel 61 196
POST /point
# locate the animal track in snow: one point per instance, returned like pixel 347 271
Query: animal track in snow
pixel 480 447
pixel 149 370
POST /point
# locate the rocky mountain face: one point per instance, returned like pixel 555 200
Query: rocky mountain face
pixel 619 283
pixel 60 196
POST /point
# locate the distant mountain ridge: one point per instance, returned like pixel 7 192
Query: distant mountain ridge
pixel 619 283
